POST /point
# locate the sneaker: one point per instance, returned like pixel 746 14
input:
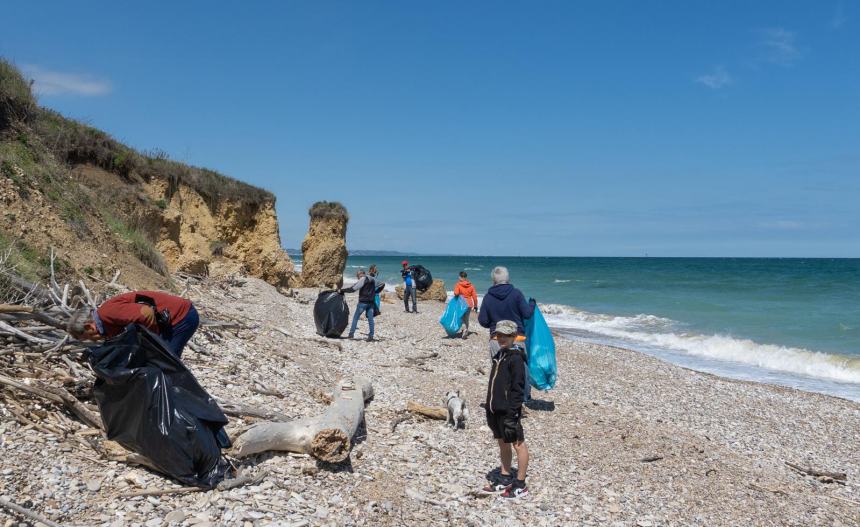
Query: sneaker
pixel 516 490
pixel 371 339
pixel 350 336
pixel 500 485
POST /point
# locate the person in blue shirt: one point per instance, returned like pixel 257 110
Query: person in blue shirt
pixel 409 283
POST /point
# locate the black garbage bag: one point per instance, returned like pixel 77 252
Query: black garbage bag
pixel 423 278
pixel 331 314
pixel 151 404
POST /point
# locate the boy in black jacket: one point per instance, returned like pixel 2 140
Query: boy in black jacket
pixel 505 394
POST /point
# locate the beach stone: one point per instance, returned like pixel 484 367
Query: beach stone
pixel 93 485
pixel 175 516
pixel 436 292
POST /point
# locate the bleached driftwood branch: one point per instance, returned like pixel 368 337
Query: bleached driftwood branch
pixel 327 437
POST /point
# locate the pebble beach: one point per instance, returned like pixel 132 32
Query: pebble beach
pixel 623 439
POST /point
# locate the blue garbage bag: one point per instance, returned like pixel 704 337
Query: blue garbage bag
pixel 541 352
pixel 452 318
pixel 377 302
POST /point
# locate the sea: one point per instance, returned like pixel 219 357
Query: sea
pixel 785 321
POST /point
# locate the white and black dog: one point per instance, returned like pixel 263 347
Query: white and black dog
pixel 457 411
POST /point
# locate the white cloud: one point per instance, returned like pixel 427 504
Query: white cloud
pixel 778 46
pixel 47 82
pixel 716 79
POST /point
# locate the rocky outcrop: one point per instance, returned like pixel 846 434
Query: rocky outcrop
pixel 436 292
pixel 234 236
pixel 324 248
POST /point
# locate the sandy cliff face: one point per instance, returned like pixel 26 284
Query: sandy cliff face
pixel 232 236
pixel 324 248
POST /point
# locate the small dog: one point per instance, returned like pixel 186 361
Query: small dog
pixel 457 411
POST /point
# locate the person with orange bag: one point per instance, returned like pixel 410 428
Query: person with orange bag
pixel 466 290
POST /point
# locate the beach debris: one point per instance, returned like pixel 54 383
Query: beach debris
pixel 327 436
pixel 651 459
pixel 25 512
pixel 430 412
pixel 823 476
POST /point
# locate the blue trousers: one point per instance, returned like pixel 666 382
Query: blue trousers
pixel 359 309
pixel 183 331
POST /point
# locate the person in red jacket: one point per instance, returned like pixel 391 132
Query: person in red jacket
pixel 465 289
pixel 173 318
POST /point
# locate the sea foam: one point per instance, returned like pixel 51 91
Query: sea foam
pixel 662 333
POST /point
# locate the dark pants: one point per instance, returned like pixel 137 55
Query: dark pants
pixel 410 292
pixel 362 308
pixel 183 331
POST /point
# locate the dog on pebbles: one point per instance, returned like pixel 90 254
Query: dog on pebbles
pixel 457 411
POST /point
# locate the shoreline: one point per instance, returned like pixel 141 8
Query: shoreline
pixel 722 369
pixel 623 439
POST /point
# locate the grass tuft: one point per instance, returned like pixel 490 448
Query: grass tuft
pixel 328 209
pixel 141 246
pixel 17 104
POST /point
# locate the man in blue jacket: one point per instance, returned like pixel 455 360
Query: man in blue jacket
pixel 505 302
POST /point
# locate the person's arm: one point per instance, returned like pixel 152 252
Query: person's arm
pixel 355 287
pixel 518 382
pixel 474 299
pixel 484 317
pixel 118 312
pixel 527 309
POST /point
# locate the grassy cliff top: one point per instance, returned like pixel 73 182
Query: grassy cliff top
pixel 74 142
pixel 328 209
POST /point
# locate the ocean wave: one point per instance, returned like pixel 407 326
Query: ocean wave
pixel 560 281
pixel 662 333
pixel 473 269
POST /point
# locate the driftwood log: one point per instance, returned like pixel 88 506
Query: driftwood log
pixel 426 411
pixel 327 437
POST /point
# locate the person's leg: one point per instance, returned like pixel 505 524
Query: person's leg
pixel 370 308
pixel 355 318
pixel 406 293
pixel 506 455
pixel 414 300
pixel 522 459
pixel 465 323
pixel 183 331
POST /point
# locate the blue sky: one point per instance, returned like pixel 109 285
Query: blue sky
pixel 535 128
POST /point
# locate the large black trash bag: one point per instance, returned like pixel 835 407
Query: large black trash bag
pixel 151 404
pixel 423 278
pixel 331 314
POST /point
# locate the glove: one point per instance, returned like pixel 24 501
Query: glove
pixel 532 301
pixel 475 308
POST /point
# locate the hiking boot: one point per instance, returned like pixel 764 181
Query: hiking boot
pixel 501 484
pixel 516 490
pixel 371 339
pixel 350 336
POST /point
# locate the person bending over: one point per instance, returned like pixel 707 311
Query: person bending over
pixel 366 287
pixel 466 290
pixel 505 394
pixel 173 318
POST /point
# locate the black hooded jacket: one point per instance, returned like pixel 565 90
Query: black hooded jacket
pixel 506 390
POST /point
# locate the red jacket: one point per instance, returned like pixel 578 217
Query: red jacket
pixel 465 289
pixel 119 311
